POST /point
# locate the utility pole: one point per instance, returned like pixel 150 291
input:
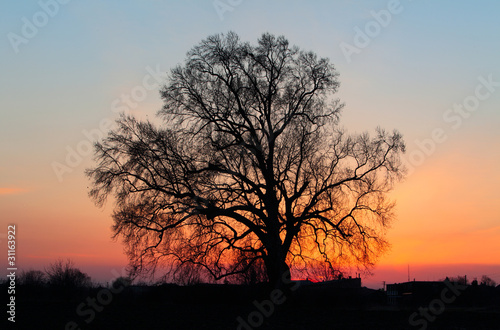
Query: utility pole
pixel 408 272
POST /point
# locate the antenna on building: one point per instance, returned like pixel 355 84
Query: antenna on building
pixel 408 272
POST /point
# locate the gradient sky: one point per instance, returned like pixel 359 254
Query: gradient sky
pixel 424 71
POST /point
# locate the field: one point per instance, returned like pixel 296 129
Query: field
pixel 233 307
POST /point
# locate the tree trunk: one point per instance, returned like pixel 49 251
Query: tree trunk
pixel 278 271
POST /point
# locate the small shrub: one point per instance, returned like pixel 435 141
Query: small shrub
pixel 32 278
pixel 122 282
pixel 64 275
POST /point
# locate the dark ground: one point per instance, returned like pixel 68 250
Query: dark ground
pixel 218 307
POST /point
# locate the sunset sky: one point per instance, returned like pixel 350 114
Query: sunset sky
pixel 430 69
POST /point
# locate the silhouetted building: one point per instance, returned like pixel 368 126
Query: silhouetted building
pixel 342 283
pixel 345 292
pixel 413 293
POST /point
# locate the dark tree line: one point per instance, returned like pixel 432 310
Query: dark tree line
pixel 61 275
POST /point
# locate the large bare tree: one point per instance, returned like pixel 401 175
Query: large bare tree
pixel 248 167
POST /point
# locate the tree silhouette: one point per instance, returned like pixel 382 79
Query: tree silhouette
pixel 248 167
pixel 65 276
pixel 32 278
pixel 486 280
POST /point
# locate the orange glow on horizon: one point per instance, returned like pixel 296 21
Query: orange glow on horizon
pixel 12 191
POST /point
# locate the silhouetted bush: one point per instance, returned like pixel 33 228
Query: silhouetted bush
pixel 122 281
pixel 32 278
pixel 457 279
pixel 64 275
pixel 486 280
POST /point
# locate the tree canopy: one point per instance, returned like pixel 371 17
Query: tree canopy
pixel 248 168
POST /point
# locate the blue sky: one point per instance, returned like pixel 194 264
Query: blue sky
pixel 66 78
